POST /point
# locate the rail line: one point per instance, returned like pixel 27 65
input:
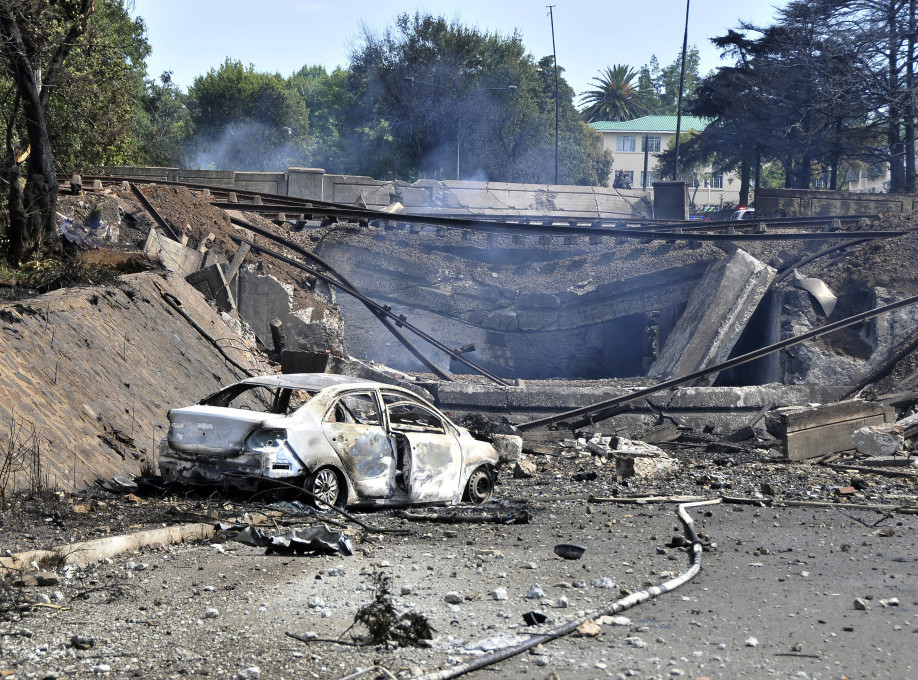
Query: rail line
pixel 822 228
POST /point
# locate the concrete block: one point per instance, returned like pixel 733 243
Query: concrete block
pixel 262 299
pixel 715 317
pixel 509 447
pixel 879 440
pixel 173 255
pixel 670 201
pixel 305 182
pixel 822 430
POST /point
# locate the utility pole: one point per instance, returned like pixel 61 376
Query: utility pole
pixel 555 55
pixel 681 85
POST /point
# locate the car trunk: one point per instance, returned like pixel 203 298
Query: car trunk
pixel 211 430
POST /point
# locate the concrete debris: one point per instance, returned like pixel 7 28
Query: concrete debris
pixel 715 317
pixel 509 447
pixel 879 440
pixel 588 629
pixel 453 597
pixel 524 469
pixel 824 429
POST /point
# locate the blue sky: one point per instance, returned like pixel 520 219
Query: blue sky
pixel 190 37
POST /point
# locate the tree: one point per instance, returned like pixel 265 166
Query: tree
pixel 788 97
pixel 35 40
pixel 163 123
pixel 615 98
pixel 327 98
pixel 658 87
pixel 248 120
pixel 431 95
pixel 95 114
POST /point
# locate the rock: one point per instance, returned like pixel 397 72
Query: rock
pixel 879 440
pixel 535 592
pixel 588 629
pixel 38 578
pixel 250 673
pixel 613 621
pixel 211 613
pixel 768 489
pixel 500 594
pixel 524 469
pixel 509 447
pixel 82 642
pixel 643 466
pixel 752 642
pixel 860 604
pixel 453 597
pixel 101 668
pixel 604 582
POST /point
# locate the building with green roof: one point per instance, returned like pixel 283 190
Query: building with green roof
pixel 627 139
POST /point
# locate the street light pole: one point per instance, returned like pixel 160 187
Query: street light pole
pixel 557 105
pixel 679 104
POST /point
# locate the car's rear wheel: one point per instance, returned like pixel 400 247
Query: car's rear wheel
pixel 325 488
pixel 480 486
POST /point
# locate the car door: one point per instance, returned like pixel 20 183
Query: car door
pixel 354 429
pixel 434 457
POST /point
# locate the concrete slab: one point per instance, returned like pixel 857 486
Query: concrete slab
pixel 822 430
pixel 723 408
pixel 715 317
pixel 173 255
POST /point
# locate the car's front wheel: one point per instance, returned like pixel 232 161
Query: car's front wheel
pixel 480 486
pixel 325 488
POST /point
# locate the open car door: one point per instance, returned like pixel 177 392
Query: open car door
pixel 354 429
pixel 431 455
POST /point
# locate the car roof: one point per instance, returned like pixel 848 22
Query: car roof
pixel 307 381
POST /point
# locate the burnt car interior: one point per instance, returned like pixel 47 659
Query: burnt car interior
pixel 276 400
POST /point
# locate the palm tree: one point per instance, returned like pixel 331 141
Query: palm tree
pixel 615 97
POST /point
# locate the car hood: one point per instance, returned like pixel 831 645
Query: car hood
pixel 212 430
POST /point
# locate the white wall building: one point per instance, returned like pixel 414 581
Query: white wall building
pixel 626 141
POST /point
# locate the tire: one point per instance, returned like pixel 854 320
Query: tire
pixel 480 486
pixel 325 487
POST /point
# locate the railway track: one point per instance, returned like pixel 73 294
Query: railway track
pixel 290 209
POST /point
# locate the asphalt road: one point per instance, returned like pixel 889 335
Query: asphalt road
pixel 787 578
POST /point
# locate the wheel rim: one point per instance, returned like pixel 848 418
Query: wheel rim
pixel 325 486
pixel 479 487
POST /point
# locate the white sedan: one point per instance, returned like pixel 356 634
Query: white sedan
pixel 342 439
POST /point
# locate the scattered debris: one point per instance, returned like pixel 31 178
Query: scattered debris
pixel 310 540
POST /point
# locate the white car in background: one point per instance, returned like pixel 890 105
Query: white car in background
pixel 342 439
pixel 743 214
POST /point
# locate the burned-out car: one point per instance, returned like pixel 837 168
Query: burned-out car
pixel 342 439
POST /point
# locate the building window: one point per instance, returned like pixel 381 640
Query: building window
pixel 653 143
pixel 717 180
pixel 625 143
pixel 629 177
